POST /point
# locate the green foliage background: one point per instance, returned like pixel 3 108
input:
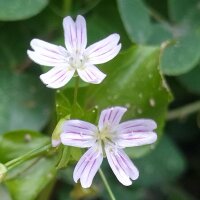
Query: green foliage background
pixel 156 72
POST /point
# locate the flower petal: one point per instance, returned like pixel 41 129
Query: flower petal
pixel 91 74
pixel 57 77
pixel 104 50
pixel 78 133
pixel 121 165
pixel 136 133
pixel 88 166
pixel 111 116
pixel 81 33
pixel 47 54
pixel 75 34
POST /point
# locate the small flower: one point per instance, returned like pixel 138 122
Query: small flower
pixel 109 138
pixel 75 57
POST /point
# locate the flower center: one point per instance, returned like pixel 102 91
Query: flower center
pixel 77 60
pixel 105 135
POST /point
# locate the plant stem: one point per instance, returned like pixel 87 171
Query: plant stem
pixel 112 197
pixel 7 178
pixel 76 90
pixel 183 111
pixel 32 154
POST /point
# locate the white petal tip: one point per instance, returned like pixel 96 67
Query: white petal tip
pixel 115 36
pixel 30 54
pixel 53 86
pixel 43 79
pixel 127 184
pixel 33 42
pixel 154 137
pixel 136 174
pixel 85 186
pixel 98 81
pixel 119 46
pixel 80 17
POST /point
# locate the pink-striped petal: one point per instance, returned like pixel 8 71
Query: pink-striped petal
pixel 47 54
pixel 78 133
pixel 81 33
pixel 121 165
pixel 91 74
pixel 104 50
pixel 88 166
pixel 136 133
pixel 75 34
pixel 111 117
pixel 57 77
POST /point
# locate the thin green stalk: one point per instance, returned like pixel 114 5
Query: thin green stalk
pixel 112 197
pixel 32 154
pixel 76 90
pixel 7 178
pixel 183 111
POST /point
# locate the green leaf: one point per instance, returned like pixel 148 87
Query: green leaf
pixel 179 9
pixel 32 180
pixel 134 81
pixel 159 34
pixel 25 102
pixel 20 9
pixel 176 193
pixel 191 80
pixel 28 179
pixel 4 193
pixel 100 24
pixel 16 143
pixel 162 165
pixel 182 56
pixel 63 106
pixel 136 20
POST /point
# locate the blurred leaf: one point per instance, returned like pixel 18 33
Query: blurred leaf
pixel 134 81
pixel 191 80
pixel 20 9
pixel 13 51
pixel 137 152
pixel 79 192
pixel 63 106
pixel 46 193
pixel 182 56
pixel 178 9
pixel 25 102
pixel 32 180
pixel 27 180
pixel 64 154
pixel 162 165
pixel 83 6
pixel 178 193
pixel 159 34
pixel 16 143
pixel 136 20
pixel 101 23
pixel 4 193
pixel 127 193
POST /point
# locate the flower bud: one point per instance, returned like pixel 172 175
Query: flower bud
pixel 56 133
pixel 3 172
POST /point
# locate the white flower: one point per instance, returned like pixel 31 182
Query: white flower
pixel 75 57
pixel 109 138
